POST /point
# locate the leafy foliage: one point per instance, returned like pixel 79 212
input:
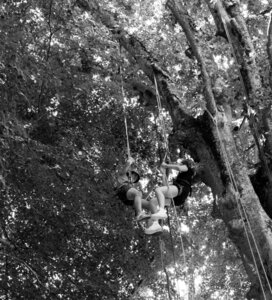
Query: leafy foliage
pixel 64 235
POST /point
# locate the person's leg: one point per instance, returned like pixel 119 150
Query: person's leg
pixel 153 226
pixel 163 192
pixel 136 196
pixel 150 205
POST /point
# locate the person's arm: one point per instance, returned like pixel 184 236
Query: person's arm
pixel 164 176
pixel 122 177
pixel 129 162
pixel 177 167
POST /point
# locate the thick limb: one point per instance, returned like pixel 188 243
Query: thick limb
pixel 138 204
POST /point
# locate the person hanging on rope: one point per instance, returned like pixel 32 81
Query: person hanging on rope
pixel 178 191
pixel 129 193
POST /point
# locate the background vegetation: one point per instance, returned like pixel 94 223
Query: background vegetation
pixel 64 234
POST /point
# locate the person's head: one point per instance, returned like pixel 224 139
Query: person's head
pixel 198 171
pixel 188 162
pixel 199 167
pixel 135 177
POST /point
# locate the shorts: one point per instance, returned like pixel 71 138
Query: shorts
pixel 183 193
pixel 122 194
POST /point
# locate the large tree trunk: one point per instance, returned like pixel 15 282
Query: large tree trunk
pixel 240 206
pixel 209 140
pixel 256 106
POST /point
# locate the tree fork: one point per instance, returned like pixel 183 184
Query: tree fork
pixel 170 98
pixel 244 53
pixel 247 194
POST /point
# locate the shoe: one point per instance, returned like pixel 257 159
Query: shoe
pixel 161 214
pixel 154 228
pixel 142 216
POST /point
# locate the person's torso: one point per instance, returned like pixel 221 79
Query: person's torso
pixel 185 177
pixel 123 180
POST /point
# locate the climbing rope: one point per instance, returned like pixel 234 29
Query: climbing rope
pixel 124 108
pixel 171 236
pixel 173 247
pixel 241 209
pixel 127 139
pixel 162 123
pixel 179 232
pixel 255 131
pixel 162 248
pixel 165 179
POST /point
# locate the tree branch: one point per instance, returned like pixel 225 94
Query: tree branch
pixel 186 129
pixel 179 13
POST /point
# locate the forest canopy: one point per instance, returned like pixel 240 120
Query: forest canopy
pixel 71 73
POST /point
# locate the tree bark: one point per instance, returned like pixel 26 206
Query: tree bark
pixel 228 14
pixel 186 130
pixel 240 207
pixel 267 115
pixel 243 49
pixel 208 139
